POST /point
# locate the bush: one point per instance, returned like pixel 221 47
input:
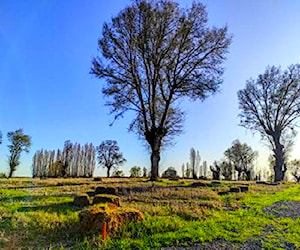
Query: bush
pixel 135 172
pixel 3 175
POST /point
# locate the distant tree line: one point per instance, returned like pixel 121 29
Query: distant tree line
pixel 193 168
pixel 238 163
pixel 73 161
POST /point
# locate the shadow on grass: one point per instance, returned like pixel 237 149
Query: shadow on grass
pixel 30 198
pixel 65 235
pixel 51 235
pixel 57 207
pixel 59 184
pixel 185 216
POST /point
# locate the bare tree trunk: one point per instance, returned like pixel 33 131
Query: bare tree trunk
pixel 108 172
pixel 11 171
pixel 239 175
pixel 279 169
pixel 248 175
pixel 154 138
pixel 155 158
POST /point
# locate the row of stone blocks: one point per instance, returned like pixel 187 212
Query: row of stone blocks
pixel 83 200
pixel 235 190
pixel 92 219
pixel 101 195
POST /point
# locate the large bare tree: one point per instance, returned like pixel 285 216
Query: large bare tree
pixel 271 105
pixel 153 53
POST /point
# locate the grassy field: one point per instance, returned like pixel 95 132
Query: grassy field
pixel 39 214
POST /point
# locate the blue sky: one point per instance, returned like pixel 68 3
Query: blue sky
pixel 46 48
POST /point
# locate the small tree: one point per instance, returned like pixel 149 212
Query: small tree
pixel 155 53
pixel 145 172
pixel 188 171
pixel 204 170
pixel 183 170
pixel 226 170
pixel 242 157
pixel 216 171
pixel 19 142
pixel 198 160
pixel 135 172
pixel 118 173
pixel 67 158
pixel 193 163
pixel 271 106
pixel 109 155
pixel 295 169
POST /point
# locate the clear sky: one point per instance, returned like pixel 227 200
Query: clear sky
pixel 46 48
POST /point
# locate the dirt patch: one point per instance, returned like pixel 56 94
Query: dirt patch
pixel 289 209
pixel 220 244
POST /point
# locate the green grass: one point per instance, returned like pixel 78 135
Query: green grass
pixel 44 217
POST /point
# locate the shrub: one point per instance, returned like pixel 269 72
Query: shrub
pixel 3 175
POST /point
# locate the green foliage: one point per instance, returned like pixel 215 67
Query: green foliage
pixel 242 157
pixel 19 142
pixel 226 170
pixel 145 172
pixel 135 171
pixel 118 173
pixel 3 175
pixel 45 217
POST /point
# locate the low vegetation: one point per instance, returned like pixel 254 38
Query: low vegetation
pixel 37 214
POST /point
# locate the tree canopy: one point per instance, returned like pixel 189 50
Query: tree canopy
pixel 271 105
pixel 154 53
pixel 135 171
pixel 242 157
pixel 19 142
pixel 109 155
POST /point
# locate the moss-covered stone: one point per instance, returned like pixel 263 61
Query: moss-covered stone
pixel 234 190
pixel 92 219
pixel 106 199
pixel 198 184
pixel 244 188
pixel 97 179
pixel 81 200
pixel 106 190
